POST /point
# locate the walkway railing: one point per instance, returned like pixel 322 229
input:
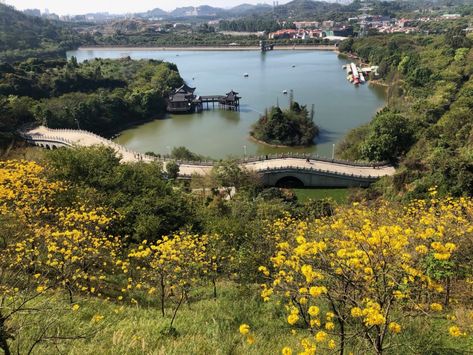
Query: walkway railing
pixel 249 160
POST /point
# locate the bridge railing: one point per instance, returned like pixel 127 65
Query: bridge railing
pixel 314 157
pixel 316 170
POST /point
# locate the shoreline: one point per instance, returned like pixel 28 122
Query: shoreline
pixel 256 140
pixel 210 48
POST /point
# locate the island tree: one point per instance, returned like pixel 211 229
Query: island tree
pixel 291 127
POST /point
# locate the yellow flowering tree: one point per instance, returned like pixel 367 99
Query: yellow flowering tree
pixel 359 273
pixel 172 266
pixel 45 245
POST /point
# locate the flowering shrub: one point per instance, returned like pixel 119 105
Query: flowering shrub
pixel 362 271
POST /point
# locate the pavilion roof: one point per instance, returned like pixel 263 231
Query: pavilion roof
pixel 184 89
pixel 232 95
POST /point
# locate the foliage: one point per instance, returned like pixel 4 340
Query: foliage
pixel 251 24
pixel 174 265
pixel 426 126
pixel 172 169
pixel 141 193
pixel 291 127
pixel 184 154
pixel 95 95
pixel 390 137
pixel 387 271
pixel 56 247
pixel 22 36
pixel 359 275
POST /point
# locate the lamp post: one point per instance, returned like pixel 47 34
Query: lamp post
pixel 333 151
pixel 244 151
pixel 77 121
pixel 169 150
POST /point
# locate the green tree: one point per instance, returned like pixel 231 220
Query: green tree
pixel 172 169
pixel 390 136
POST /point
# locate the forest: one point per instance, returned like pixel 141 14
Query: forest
pixel 101 95
pixel 23 36
pixel 426 126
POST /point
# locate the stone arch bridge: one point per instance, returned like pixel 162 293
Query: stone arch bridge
pixel 275 170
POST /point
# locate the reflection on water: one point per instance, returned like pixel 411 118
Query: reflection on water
pixel 316 78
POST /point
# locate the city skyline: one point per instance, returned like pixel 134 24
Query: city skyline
pixel 122 7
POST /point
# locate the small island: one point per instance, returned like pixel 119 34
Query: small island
pixel 291 127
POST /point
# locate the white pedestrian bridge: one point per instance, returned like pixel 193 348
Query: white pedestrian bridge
pixel 275 170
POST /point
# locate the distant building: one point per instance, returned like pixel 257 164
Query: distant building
pixel 328 24
pixel 345 31
pixel 306 24
pixel 451 16
pixel 284 34
pixel 32 12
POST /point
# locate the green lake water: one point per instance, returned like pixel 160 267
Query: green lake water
pixel 316 77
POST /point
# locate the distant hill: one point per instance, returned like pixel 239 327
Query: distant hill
pixel 153 13
pixel 297 9
pixel 20 32
pixel 305 9
pixel 249 9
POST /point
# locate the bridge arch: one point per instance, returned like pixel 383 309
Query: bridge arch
pixel 289 181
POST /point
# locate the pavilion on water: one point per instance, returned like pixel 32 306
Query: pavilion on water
pixel 231 101
pixel 183 100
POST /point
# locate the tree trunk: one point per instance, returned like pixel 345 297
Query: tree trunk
pixel 379 343
pixel 3 338
pixel 162 295
pixel 342 336
pixel 215 287
pixel 175 311
pixel 447 292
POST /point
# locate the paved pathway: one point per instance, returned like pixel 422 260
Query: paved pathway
pixel 83 138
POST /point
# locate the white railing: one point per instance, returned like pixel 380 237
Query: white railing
pixel 56 138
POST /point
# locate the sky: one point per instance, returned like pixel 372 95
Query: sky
pixel 74 7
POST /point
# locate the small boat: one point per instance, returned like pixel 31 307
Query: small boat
pixel 246 75
pixel 284 92
pixel 293 66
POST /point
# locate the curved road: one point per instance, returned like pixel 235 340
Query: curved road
pixel 84 138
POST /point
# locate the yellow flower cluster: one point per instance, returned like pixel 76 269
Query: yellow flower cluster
pixel 68 247
pixel 174 263
pixel 378 256
pixel 245 330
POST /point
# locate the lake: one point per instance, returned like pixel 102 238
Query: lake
pixel 316 77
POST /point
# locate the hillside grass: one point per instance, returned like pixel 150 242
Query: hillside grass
pixel 206 326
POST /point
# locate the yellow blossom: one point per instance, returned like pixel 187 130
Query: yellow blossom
pixel 320 336
pixel 394 327
pixel 286 351
pixel 244 329
pixel 436 307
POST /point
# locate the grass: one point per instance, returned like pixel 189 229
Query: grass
pixel 203 326
pixel 338 195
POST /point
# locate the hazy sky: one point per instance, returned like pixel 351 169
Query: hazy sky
pixel 64 7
